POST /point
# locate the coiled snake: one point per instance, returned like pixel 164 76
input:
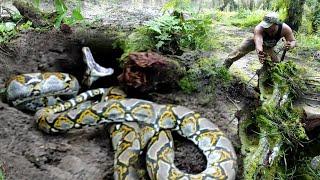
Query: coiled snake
pixel 137 124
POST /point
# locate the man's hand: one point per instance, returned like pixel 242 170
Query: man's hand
pixel 288 45
pixel 261 56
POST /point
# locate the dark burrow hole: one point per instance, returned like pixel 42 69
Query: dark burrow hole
pixel 188 157
pixel 252 130
pixel 105 57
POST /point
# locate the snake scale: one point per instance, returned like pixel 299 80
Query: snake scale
pixel 135 125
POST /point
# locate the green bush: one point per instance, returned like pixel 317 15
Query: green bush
pixel 9 30
pixel 172 34
pixel 62 12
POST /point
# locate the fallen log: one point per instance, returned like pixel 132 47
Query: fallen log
pixel 33 14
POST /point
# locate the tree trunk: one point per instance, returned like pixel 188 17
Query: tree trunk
pixel 225 4
pixel 251 4
pixel 316 17
pixel 294 16
pixel 233 5
pixel 266 4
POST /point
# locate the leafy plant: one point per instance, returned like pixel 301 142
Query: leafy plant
pixel 165 30
pixel 308 41
pixel 9 30
pixel 177 5
pixel 171 34
pixel 135 42
pixel 62 12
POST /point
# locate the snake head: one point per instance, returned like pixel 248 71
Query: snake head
pixel 94 71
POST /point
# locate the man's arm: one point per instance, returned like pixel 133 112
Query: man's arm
pixel 288 35
pixel 258 41
pixel 258 38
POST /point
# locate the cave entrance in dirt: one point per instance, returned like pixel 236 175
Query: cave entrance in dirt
pixel 107 56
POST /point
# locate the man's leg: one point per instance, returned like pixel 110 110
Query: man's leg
pixel 246 46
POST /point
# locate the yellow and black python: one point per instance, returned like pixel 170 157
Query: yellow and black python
pixel 135 125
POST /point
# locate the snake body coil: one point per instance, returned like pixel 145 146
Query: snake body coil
pixel 36 90
pixel 157 121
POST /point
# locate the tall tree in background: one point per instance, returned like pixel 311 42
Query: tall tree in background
pixel 233 5
pixel 295 11
pixel 316 17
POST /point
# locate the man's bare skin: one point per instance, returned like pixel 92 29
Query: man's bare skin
pixel 286 32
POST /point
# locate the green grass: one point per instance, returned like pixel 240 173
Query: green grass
pixel 308 41
pixel 242 18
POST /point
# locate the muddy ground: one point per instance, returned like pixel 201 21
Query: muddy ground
pixel 27 153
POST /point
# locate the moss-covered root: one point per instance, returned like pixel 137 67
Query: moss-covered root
pixel 262 155
pixel 275 125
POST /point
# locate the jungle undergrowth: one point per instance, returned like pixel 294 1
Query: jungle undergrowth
pixel 278 123
pixel 11 28
pixel 63 15
pixel 179 29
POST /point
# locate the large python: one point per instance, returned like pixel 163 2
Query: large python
pixel 138 124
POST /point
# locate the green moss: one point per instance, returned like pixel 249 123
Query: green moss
pixel 137 41
pixel 277 123
pixel 188 84
pixel 204 76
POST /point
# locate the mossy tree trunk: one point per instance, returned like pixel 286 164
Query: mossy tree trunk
pixel 251 4
pixel 295 11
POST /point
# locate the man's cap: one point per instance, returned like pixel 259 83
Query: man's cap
pixel 269 19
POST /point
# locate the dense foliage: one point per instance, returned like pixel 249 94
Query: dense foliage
pixel 171 34
pixel 10 29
